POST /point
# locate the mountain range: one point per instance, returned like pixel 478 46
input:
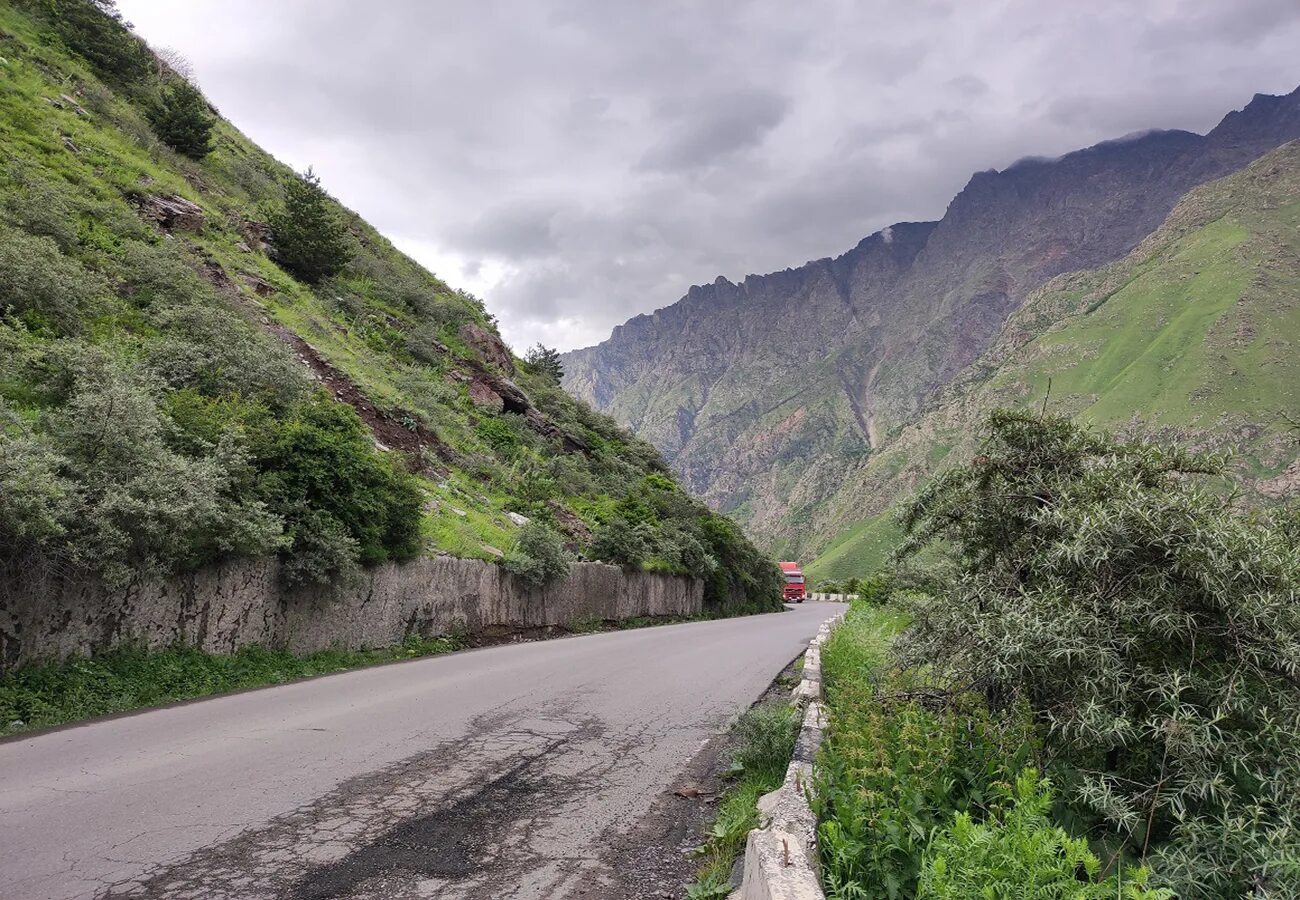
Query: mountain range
pixel 780 397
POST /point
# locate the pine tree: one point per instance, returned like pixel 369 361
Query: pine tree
pixel 181 120
pixel 308 234
pixel 545 361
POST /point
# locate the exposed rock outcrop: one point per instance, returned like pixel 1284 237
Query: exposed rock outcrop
pixel 491 348
pixel 171 212
pixel 766 395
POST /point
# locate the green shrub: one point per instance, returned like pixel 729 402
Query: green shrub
pixel 538 557
pixel 763 741
pixel 96 482
pixel 181 120
pixel 620 541
pixel 44 288
pixel 320 471
pixel 1148 623
pixel 1018 853
pixel 765 738
pixel 744 575
pixel 310 238
pixel 94 30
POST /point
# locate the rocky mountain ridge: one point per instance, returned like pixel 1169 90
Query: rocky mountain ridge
pixel 765 394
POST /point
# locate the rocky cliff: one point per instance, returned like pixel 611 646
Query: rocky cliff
pixel 764 395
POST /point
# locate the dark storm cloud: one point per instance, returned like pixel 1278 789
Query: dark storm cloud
pixel 578 161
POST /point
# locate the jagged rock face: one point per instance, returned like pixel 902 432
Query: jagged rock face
pixel 766 394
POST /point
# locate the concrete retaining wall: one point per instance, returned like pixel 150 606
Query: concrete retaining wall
pixel 46 616
pixel 781 859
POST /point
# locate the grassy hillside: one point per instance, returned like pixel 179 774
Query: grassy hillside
pixel 177 385
pixel 1193 336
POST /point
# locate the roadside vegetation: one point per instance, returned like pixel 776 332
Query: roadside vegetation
pixel 126 679
pixel 1096 694
pixel 764 739
pixel 204 355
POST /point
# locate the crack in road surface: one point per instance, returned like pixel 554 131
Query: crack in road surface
pixel 506 773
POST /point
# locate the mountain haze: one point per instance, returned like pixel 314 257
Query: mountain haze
pixel 766 395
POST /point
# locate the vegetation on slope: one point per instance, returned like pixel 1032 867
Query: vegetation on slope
pixel 1101 672
pixel 202 354
pixel 1192 337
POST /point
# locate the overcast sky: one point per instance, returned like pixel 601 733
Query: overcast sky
pixel 575 162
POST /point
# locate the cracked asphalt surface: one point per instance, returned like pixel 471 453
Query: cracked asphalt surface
pixel 495 773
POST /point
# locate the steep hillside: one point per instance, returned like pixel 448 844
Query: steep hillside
pixel 204 355
pixel 1195 335
pixel 765 395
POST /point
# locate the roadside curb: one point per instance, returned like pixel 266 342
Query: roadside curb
pixel 781 860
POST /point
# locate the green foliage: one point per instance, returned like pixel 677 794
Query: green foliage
pixel 545 361
pixel 220 413
pixel 43 288
pixel 1150 626
pixel 94 30
pixel 765 738
pixel 98 483
pixel 128 678
pixel 763 741
pixel 744 574
pixel 893 768
pixel 623 542
pixel 1018 853
pixel 310 238
pixel 538 557
pixel 342 502
pixel 180 118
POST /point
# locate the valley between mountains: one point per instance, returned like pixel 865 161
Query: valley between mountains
pixel 805 402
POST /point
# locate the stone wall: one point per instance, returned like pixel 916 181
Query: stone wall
pixel 46 616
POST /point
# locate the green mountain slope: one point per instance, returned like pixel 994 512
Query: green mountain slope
pixel 1194 335
pixel 170 394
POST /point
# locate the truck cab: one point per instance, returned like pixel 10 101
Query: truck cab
pixel 794 582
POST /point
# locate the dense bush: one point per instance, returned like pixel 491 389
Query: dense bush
pixel 42 287
pixel 1150 626
pixel 181 120
pixel 893 771
pixel 97 482
pixel 94 30
pixel 744 575
pixel 623 542
pixel 343 503
pixel 310 238
pixel 538 556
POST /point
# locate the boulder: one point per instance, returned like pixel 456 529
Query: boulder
pixel 170 212
pixel 482 396
pixel 488 346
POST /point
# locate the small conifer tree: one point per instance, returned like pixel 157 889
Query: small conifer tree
pixel 181 119
pixel 309 236
pixel 545 361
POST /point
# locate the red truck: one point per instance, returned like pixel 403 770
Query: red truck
pixel 794 583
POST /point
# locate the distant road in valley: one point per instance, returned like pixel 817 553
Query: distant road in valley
pixel 490 773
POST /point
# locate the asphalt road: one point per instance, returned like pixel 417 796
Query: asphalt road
pixel 493 773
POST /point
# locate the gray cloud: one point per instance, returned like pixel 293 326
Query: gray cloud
pixel 578 161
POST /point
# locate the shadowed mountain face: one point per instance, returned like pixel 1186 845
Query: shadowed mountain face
pixel 766 395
